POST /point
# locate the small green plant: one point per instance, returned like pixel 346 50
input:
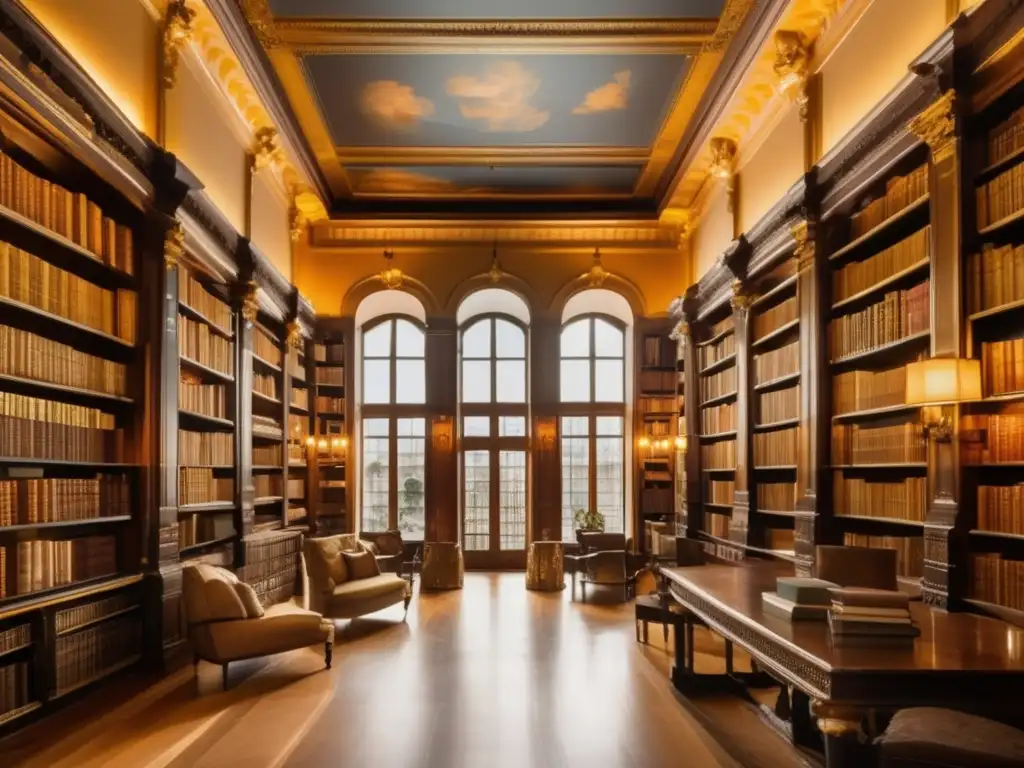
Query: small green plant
pixel 588 520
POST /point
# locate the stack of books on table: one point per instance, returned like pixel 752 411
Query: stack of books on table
pixel 870 615
pixel 799 599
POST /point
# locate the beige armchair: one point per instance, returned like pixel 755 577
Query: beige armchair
pixel 227 623
pixel 609 568
pixel 338 590
pixel 388 548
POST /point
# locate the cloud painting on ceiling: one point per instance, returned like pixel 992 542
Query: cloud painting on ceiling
pixel 484 180
pixel 497 9
pixel 477 100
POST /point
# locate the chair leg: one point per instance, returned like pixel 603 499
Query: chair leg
pixel 645 633
pixel 405 615
pixel 224 675
pixel 636 626
pixel 195 662
pixel 328 653
pixel 664 631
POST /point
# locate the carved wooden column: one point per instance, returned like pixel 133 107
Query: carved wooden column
pixel 246 306
pixel 546 489
pixel 739 525
pixel 442 492
pixel 940 128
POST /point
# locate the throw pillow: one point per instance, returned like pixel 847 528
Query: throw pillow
pixel 222 601
pixel 360 565
pixel 253 607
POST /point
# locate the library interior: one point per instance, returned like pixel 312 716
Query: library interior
pixel 358 407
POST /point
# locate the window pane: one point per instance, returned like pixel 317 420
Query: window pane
pixel 476 381
pixel 412 474
pixel 511 381
pixel 511 426
pixel 476 340
pixel 575 426
pixel 576 339
pixel 476 525
pixel 377 340
pixel 375 474
pixel 608 381
pixel 610 495
pixel 376 381
pixel 510 339
pixel 609 425
pixel 512 507
pixel 409 339
pixel 575 381
pixel 575 481
pixel 476 426
pixel 608 340
pixel 410 381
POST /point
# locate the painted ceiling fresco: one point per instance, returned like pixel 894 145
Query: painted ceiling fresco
pixel 497 9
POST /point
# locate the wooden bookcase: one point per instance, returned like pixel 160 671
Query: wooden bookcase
pixel 331 383
pixel 270 395
pixel 655 428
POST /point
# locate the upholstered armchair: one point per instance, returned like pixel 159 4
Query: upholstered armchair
pixel 388 548
pixel 227 623
pixel 609 568
pixel 599 541
pixel 345 581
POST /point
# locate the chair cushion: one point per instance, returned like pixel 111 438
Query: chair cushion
pixel 930 736
pixel 324 561
pixel 374 586
pixel 369 546
pixel 251 602
pixel 360 565
pixel 210 594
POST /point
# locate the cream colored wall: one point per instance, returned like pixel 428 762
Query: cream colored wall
pixel 203 135
pixel 773 169
pixel 117 43
pixel 873 59
pixel 270 224
pixel 713 233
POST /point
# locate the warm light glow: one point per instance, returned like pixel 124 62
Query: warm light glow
pixel 322 444
pixel 943 380
pixel 344 442
pixel 643 442
pixel 310 441
pixel 681 443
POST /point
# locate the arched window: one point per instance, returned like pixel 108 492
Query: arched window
pixel 594 390
pixel 393 426
pixel 493 395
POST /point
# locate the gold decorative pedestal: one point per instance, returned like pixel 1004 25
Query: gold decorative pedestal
pixel 544 570
pixel 442 566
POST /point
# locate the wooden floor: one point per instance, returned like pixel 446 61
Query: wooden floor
pixel 488 676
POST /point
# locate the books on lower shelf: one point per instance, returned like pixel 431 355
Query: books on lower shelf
pixel 297 363
pixel 204 399
pixel 1001 197
pixel 329 353
pixel 997 579
pixel 773 449
pixel 779 405
pixel 197 485
pixel 265 347
pixel 69 619
pixel 711 354
pixel 774 318
pixel 1002 366
pixel 1003 438
pixel 57 500
pixel 716 524
pixel 656 501
pixel 891 444
pixel 265 384
pixel 47 564
pixel 656 404
pixel 15 637
pixel 870 614
pixel 904 499
pixel 33 428
pixel 300 398
pixel 657 381
pixel 267 485
pixel 723 325
pixel 859 276
pixel 272 563
pixel 898 315
pixel 34 357
pixel 265 426
pixel 720 455
pixel 84 656
pixel 909 550
pixel 777 363
pixel 720 418
pixel 900 192
pixel 866 390
pixel 27 279
pixel 776 497
pixel 994 277
pixel 722 383
pixel 1001 509
pixel 780 539
pixel 197 343
pixel 721 491
pixel 195 295
pixel 330 405
pixel 15 686
pixel 333 375
pixel 205 448
pixel 296 488
pixel 267 455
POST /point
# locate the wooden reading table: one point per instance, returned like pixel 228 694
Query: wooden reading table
pixel 961 661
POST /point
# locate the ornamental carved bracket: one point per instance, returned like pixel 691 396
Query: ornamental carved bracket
pixel 296 223
pixel 177 32
pixel 740 300
pixel 804 246
pixel 936 125
pixel 250 302
pixel 174 245
pixel 266 149
pixel 723 166
pixel 792 64
pixel 295 334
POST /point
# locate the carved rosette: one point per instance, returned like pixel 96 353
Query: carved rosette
pixel 177 32
pixel 174 245
pixel 937 127
pixel 266 149
pixel 250 303
pixel 792 59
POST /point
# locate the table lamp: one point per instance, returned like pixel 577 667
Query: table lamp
pixel 938 384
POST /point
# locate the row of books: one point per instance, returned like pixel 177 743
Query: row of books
pixel 69 619
pixel 198 343
pixel 48 564
pixel 891 444
pixel 265 347
pixel 1000 198
pixel 33 428
pixel 297 364
pixel 658 381
pixel 195 295
pixel 900 192
pixel 779 405
pixel 909 550
pixel 300 398
pixel 58 499
pixel 15 686
pixel 777 497
pixel 70 214
pixel 716 523
pixel 29 356
pixel 860 275
pixel 27 279
pixel 15 637
pixel 267 455
pixel 774 318
pixel 331 405
pixel 994 277
pixel 721 491
pixel 205 399
pixel 296 488
pixel 267 485
pixel 84 656
pixel 723 325
pixel 265 384
pixel 904 499
pixel 334 376
pixel 720 455
pixel 275 582
pixel 721 383
pixel 329 353
pixel 720 418
pixel 199 529
pixel 898 315
pixel 867 390
pixel 657 428
pixel 645 404
pixel 197 485
pixel 775 449
pixel 205 448
pixel 658 351
pixel 870 615
pixel 1006 138
pixel 777 363
pixel 712 353
pixel 780 539
pixel 998 580
pixel 1001 508
pixel 1002 366
pixel 657 501
pixel 1003 438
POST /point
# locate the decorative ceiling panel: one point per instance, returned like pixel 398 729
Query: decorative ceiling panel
pixel 497 9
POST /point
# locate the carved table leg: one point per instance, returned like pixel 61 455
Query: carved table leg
pixel 846 745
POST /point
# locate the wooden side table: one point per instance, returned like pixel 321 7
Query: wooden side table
pixel 544 570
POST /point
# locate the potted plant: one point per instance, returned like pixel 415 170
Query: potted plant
pixel 587 521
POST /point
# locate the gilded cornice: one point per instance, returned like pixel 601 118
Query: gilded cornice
pixel 936 125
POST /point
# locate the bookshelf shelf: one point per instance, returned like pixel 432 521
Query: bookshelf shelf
pixel 877 233
pixel 298 409
pixel 205 372
pixel 272 435
pixel 779 333
pixel 716 338
pixel 996 311
pixel 881 352
pixel 998 534
pixel 195 314
pixel 209 506
pixel 17 605
pixel 783 554
pixel 205 546
pixel 886 520
pixel 265 398
pixel 712 506
pixel 98 620
pixel 1007 221
pixel 206 466
pixel 16 649
pixel 874 413
pixel 202 419
pixel 772 426
pixel 111 520
pixel 267 468
pixel 106 672
pixel 266 364
pixel 16 461
pixel 895 465
pixel 775 512
pixel 717 436
pixel 776 468
pixel 56 391
pixel 14 714
pixel 719 400
pixel 266 500
pixel 64 330
pixel 721 365
pixel 722 471
pixel 779 383
pixel 882 287
pixel 998 465
pixel 786 286
pixel 989 171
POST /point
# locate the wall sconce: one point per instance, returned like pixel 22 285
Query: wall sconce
pixel 643 442
pixel 392 277
pixel 322 444
pixel 680 442
pixel 310 441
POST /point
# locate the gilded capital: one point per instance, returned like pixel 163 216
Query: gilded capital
pixel 296 223
pixel 174 245
pixel 740 299
pixel 177 32
pixel 804 246
pixel 936 125
pixel 250 303
pixel 792 61
pixel 723 166
pixel 295 334
pixel 266 150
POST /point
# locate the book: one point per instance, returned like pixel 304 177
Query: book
pixel 841 626
pixel 778 405
pixel 790 610
pixel 805 591
pixel 865 597
pixel 779 448
pixel 777 363
pixel 772 319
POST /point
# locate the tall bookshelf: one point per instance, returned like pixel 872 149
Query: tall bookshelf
pixel 329 429
pixel 297 429
pixel 657 405
pixel 269 397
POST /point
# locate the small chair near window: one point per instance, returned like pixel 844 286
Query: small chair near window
pixel 338 586
pixel 388 548
pixel 609 568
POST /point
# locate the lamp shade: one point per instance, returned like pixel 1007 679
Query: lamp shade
pixel 943 380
